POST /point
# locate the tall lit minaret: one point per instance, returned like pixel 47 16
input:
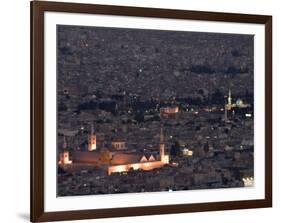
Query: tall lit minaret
pixel 229 98
pixel 228 105
pixel 162 146
pixel 64 156
pixel 92 140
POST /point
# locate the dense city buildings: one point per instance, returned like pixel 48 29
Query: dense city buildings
pixel 150 110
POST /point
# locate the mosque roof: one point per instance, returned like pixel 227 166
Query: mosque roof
pixel 122 158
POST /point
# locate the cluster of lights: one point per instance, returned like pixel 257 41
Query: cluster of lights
pixel 187 152
pixel 174 164
pixel 248 181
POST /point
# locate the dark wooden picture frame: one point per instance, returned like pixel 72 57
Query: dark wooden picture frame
pixel 37 110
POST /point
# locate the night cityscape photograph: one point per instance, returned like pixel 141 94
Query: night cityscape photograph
pixel 142 110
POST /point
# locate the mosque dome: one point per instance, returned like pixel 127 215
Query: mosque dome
pixel 239 102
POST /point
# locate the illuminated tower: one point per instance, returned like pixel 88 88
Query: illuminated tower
pixel 229 101
pixel 64 156
pixel 162 146
pixel 92 140
pixel 228 105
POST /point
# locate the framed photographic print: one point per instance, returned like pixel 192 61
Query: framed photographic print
pixel 141 111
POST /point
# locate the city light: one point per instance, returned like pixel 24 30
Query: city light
pixel 248 181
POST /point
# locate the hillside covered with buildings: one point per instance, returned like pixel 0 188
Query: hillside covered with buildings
pixel 148 110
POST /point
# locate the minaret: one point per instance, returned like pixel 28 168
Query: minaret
pixel 228 105
pixel 162 146
pixel 229 98
pixel 64 156
pixel 92 140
